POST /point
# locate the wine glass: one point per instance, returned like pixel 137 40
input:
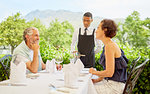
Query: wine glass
pixel 71 58
pixel 77 55
pixel 59 59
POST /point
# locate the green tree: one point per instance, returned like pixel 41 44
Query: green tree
pixel 59 34
pixel 11 31
pixel 146 23
pixel 133 31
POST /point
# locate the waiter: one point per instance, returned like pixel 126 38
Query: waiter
pixel 85 39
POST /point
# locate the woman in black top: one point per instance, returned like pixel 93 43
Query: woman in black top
pixel 112 79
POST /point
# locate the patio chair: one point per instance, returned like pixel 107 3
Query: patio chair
pixel 5 67
pixel 133 76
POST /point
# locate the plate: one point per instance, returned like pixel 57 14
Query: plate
pixel 18 84
pixel 13 84
pixel 32 75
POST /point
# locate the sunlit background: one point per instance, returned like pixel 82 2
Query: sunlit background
pixel 101 8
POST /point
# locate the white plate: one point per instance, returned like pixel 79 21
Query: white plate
pixel 64 90
pixel 18 84
pixel 32 75
pixel 13 84
pixel 86 69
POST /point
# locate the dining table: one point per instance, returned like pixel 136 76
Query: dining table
pixel 50 83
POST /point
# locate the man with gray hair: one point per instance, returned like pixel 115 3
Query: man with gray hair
pixel 28 50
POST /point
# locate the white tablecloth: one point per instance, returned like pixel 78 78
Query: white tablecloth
pixel 41 85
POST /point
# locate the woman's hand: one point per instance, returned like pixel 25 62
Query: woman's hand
pixel 91 70
pixel 97 80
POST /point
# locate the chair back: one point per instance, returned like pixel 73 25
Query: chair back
pixel 133 76
pixel 133 64
pixel 5 67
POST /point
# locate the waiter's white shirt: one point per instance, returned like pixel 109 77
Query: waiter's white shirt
pixel 98 43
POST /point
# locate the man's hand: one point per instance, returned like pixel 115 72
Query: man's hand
pixel 35 46
pixel 74 51
pixel 58 66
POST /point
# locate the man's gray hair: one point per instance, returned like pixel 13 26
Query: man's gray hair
pixel 29 32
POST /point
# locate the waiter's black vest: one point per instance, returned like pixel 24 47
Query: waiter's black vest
pixel 86 46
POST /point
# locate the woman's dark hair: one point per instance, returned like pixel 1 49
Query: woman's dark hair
pixel 111 27
pixel 88 14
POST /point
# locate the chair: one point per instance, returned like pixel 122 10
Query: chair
pixel 133 64
pixel 133 76
pixel 5 67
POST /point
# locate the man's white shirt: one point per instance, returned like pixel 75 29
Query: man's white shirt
pixel 98 43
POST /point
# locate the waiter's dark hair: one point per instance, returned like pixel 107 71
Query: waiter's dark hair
pixel 111 27
pixel 88 14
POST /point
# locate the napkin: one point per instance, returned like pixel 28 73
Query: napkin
pixel 78 66
pixel 51 66
pixel 70 75
pixel 18 72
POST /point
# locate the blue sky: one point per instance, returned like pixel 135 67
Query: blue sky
pixel 102 8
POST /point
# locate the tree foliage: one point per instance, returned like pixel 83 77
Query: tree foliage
pixel 59 34
pixel 11 30
pixel 134 31
pixel 146 23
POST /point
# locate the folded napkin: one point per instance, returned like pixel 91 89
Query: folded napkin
pixel 78 66
pixel 71 72
pixel 18 72
pixel 70 75
pixel 51 66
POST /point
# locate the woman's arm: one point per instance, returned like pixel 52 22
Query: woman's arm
pixel 110 66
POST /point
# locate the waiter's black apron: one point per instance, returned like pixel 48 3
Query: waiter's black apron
pixel 86 46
